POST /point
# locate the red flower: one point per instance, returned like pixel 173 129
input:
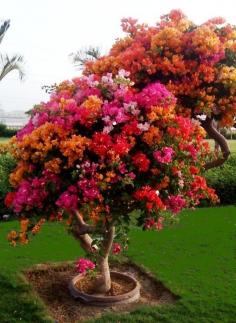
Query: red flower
pixel 116 248
pixel 131 128
pixel 121 146
pixel 193 170
pixel 101 143
pixel 9 199
pixel 151 197
pixel 141 161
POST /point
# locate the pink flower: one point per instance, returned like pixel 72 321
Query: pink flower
pixel 68 199
pixel 89 189
pixel 82 265
pixel 116 248
pixel 175 203
pixel 122 168
pixel 155 94
pixel 164 156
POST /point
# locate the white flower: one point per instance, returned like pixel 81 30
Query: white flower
pixel 107 129
pixel 157 192
pixel 144 126
pixel 123 73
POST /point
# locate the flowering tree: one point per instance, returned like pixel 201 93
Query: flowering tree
pixel 100 149
pixel 197 63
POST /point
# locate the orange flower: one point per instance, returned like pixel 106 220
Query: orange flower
pixel 24 225
pixel 152 136
pixel 53 165
pixel 37 226
pixel 164 183
pixel 17 175
pixel 73 148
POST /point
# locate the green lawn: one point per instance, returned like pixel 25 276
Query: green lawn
pixel 3 140
pixel 231 143
pixel 195 259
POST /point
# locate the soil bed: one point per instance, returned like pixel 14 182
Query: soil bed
pixel 51 283
pixel 118 286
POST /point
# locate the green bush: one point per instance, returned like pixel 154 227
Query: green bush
pixel 6 132
pixel 7 164
pixel 223 180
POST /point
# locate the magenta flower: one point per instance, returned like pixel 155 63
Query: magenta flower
pixel 155 94
pixel 82 265
pixel 89 189
pixel 164 156
pixel 68 199
pixel 175 203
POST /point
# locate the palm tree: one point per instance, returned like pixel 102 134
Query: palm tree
pixel 84 55
pixel 8 64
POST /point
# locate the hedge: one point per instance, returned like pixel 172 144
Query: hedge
pixel 223 180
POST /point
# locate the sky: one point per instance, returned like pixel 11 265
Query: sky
pixel 45 32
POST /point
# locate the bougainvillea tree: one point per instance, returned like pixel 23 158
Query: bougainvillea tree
pixel 100 149
pixel 197 63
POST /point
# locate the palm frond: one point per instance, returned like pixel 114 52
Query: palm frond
pixel 84 55
pixel 4 25
pixel 8 64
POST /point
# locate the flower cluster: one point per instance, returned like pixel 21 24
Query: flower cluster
pixel 104 148
pixel 116 248
pixel 195 62
pixel 82 265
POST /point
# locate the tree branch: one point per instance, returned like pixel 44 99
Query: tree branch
pixel 108 241
pixel 81 232
pixel 213 133
pixel 83 227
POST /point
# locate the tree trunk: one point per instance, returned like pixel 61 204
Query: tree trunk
pixel 213 133
pixel 80 231
pixel 216 126
pixel 104 282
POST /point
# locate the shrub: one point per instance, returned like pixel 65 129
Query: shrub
pixel 6 132
pixel 223 180
pixel 7 164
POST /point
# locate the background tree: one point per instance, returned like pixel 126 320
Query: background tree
pixel 197 63
pixel 85 55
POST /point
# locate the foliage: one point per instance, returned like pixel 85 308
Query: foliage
pixel 7 63
pixel 223 180
pixel 85 55
pixel 102 147
pixel 7 164
pixel 6 132
pixel 195 62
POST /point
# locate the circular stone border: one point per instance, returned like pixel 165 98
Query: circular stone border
pixel 102 300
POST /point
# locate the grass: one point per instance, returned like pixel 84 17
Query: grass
pixel 231 143
pixel 4 140
pixel 195 259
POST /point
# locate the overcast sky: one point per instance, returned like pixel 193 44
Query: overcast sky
pixel 45 32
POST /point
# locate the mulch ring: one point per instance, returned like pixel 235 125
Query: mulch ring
pixel 50 282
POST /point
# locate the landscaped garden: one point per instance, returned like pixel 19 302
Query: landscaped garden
pixel 115 207
pixel 194 259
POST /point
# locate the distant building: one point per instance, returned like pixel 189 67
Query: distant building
pixel 13 119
